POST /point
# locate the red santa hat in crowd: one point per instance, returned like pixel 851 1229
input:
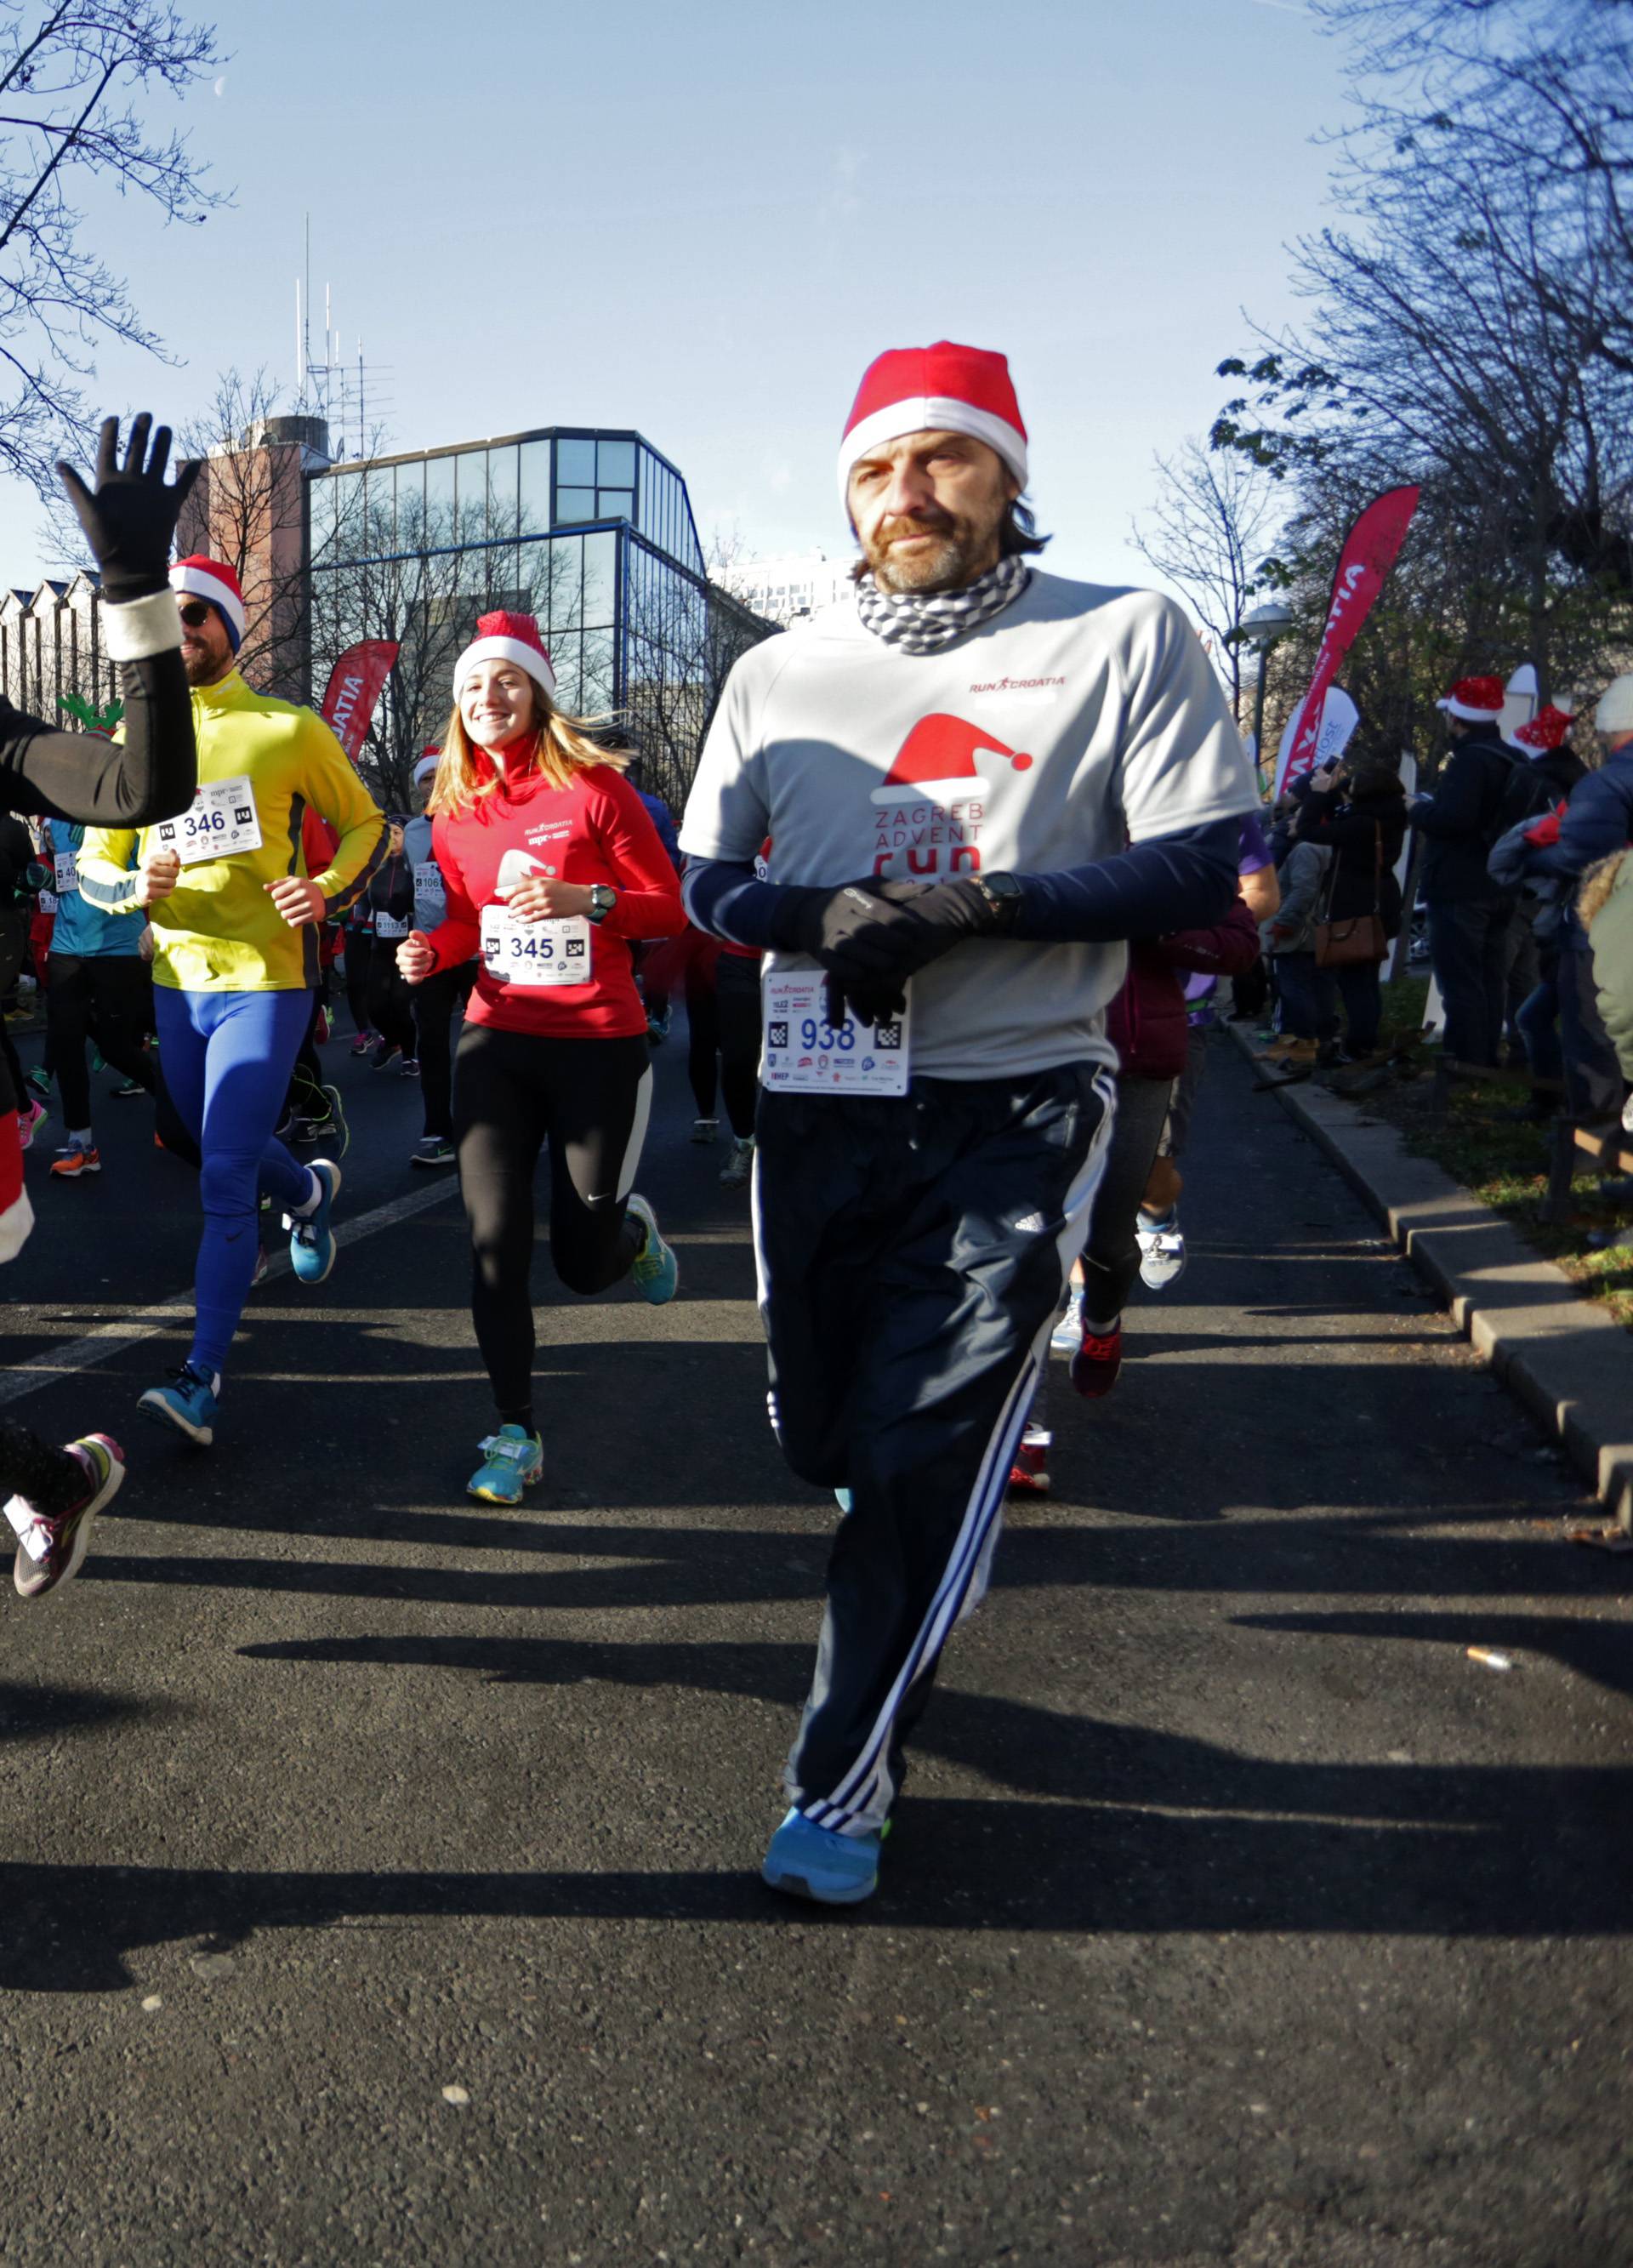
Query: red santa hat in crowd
pixel 1547 729
pixel 507 638
pixel 427 765
pixel 1477 700
pixel 199 578
pixel 939 389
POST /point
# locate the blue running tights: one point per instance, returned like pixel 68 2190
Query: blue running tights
pixel 227 1058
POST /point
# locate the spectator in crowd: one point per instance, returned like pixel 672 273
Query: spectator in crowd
pixel 1289 940
pixel 1357 813
pixel 1540 910
pixel 1597 823
pixel 1607 910
pixel 1482 790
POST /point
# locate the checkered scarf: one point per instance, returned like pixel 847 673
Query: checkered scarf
pixel 924 622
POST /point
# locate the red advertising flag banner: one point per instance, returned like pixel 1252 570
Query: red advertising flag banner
pixel 356 683
pixel 1369 551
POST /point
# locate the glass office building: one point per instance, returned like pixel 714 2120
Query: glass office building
pixel 591 532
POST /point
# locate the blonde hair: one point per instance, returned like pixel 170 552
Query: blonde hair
pixel 562 745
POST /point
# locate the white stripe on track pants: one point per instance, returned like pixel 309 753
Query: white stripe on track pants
pixel 912 1254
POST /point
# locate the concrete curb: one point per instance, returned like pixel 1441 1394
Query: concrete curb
pixel 1564 1358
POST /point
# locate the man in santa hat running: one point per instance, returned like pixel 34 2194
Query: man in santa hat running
pixel 977 780
pixel 234 913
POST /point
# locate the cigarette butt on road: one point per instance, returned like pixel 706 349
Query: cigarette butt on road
pixel 1607 1536
pixel 1490 1658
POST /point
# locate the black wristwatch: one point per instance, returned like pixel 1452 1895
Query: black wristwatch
pixel 603 898
pixel 1003 892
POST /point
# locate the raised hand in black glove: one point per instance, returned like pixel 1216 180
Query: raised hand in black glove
pixel 130 518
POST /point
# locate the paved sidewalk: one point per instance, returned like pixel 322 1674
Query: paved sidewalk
pixel 1565 1358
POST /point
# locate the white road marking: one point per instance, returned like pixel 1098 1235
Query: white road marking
pixel 109 1339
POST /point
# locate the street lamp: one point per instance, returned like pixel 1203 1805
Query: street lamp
pixel 1260 630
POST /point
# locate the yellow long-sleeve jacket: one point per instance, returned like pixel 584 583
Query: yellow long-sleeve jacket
pixel 219 931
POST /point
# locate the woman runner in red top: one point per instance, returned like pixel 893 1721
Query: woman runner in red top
pixel 550 867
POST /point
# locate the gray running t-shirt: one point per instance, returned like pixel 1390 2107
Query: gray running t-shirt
pixel 1080 718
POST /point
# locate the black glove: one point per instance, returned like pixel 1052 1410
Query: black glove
pixel 130 517
pixel 949 912
pixel 870 937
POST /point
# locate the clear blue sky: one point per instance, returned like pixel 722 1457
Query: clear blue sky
pixel 703 222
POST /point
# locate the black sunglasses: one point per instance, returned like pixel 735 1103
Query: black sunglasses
pixel 195 612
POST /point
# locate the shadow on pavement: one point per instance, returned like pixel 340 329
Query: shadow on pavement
pixel 956 1864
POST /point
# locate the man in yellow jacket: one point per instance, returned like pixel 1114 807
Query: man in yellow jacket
pixel 234 916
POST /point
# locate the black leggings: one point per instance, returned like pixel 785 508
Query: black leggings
pixel 108 993
pixel 723 1019
pixel 434 1003
pixel 512 1092
pixel 13 944
pixel 359 955
pixel 389 1011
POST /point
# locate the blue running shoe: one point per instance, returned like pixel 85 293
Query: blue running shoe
pixel 513 1460
pixel 1066 1334
pixel 311 1239
pixel 656 1274
pixel 805 1862
pixel 188 1403
pixel 841 1497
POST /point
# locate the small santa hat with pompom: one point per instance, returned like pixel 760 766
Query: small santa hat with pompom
pixel 507 638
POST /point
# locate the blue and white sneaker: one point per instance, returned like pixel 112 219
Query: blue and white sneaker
pixel 311 1239
pixel 1066 1334
pixel 1162 1249
pixel 511 1461
pixel 188 1403
pixel 803 1861
pixel 656 1273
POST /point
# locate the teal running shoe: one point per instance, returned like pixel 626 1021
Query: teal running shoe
pixel 513 1460
pixel 188 1403
pixel 312 1239
pixel 656 1274
pixel 841 1497
pixel 805 1862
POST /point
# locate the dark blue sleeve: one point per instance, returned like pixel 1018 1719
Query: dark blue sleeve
pixel 730 900
pixel 1174 881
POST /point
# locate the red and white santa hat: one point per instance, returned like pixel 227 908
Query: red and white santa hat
pixel 1547 729
pixel 427 765
pixel 1477 700
pixel 199 578
pixel 507 638
pixel 940 389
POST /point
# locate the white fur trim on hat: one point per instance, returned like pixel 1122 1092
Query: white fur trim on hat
pixel 426 767
pixel 504 649
pixel 197 582
pixel 1614 711
pixel 931 414
pixel 1454 707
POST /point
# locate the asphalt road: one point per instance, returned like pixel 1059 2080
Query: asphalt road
pixel 378 1874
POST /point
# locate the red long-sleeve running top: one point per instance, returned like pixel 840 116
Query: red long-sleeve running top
pixel 596 830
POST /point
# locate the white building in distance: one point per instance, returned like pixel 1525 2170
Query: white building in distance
pixel 788 584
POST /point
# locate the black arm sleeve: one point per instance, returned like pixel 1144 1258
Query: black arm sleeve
pixel 80 777
pixel 1175 881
